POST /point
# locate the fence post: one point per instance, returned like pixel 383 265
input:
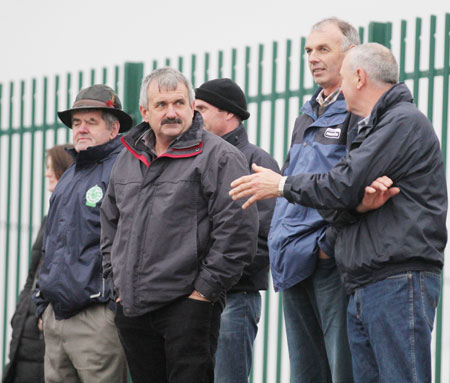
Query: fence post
pixel 380 33
pixel 133 73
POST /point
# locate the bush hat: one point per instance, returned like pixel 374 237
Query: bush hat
pixel 98 97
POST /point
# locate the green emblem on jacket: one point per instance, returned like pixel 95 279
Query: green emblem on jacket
pixel 94 195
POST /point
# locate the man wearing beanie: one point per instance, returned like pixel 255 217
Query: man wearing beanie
pixel 223 107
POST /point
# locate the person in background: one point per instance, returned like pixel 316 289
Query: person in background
pixel 223 106
pixel 26 350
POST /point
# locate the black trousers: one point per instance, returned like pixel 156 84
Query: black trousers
pixel 175 344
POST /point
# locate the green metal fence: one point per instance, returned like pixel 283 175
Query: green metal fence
pixel 276 81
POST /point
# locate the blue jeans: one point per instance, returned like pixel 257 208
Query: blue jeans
pixel 315 317
pixel 238 328
pixel 389 326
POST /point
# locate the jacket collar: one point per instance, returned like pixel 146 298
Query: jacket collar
pixel 395 95
pixel 187 145
pixel 237 137
pixel 95 153
pixel 337 107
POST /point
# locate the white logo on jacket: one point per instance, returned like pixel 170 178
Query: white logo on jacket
pixel 332 133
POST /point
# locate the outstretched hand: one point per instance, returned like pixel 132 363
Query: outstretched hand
pixel 377 194
pixel 262 184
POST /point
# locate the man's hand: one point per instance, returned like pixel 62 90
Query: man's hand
pixel 197 296
pixel 40 325
pixel 377 194
pixel 263 184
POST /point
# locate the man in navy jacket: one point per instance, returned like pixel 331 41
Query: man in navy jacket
pixel 75 303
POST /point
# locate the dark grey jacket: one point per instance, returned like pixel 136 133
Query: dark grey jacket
pixel 408 233
pixel 255 276
pixel 168 223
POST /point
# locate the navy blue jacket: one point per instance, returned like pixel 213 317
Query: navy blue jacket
pixel 255 276
pixel 71 273
pixel 409 232
pixel 297 231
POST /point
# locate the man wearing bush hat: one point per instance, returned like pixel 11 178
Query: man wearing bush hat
pixel 223 107
pixel 73 300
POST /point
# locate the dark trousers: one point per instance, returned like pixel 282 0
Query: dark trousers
pixel 175 344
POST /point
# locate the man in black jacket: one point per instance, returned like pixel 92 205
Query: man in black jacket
pixel 223 107
pixel 390 258
pixel 75 303
pixel 173 240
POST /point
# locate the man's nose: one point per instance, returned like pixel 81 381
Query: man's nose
pixel 312 58
pixel 171 111
pixel 83 128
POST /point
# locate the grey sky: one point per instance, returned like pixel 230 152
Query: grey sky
pixel 56 36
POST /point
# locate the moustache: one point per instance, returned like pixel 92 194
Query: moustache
pixel 171 121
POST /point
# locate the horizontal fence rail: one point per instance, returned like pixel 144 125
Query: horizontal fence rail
pixel 276 81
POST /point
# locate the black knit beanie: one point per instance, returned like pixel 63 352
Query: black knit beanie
pixel 224 94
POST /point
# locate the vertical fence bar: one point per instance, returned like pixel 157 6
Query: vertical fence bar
pixel 155 64
pixel 220 65
pixel 33 135
pixel 80 80
pixel 445 98
pixel 402 51
pixel 92 76
pixel 431 67
pixel 180 64
pixel 68 100
pixel 116 78
pixel 206 68
pixel 104 76
pixel 233 64
pixel 287 97
pixel 44 143
pixel 301 85
pixel 417 60
pixel 131 84
pixel 259 97
pixel 273 97
pixel 8 219
pixel 193 69
pixel 246 74
pixel 361 34
pixel 6 254
pixel 55 113
pixel 20 186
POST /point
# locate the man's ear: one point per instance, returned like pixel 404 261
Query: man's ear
pixel 143 113
pixel 361 78
pixel 115 130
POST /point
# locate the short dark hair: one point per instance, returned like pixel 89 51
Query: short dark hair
pixel 61 159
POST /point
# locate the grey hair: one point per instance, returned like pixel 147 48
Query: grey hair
pixel 377 61
pixel 109 119
pixel 350 35
pixel 167 78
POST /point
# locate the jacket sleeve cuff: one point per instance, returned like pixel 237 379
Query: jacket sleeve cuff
pixel 208 291
pixel 327 240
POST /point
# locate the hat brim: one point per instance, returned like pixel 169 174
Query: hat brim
pixel 125 120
